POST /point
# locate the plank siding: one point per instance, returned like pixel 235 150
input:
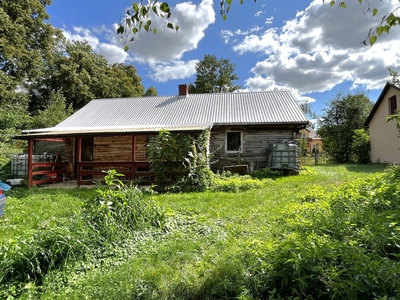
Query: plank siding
pixel 113 148
pixel 141 147
pixel 119 148
pixel 256 145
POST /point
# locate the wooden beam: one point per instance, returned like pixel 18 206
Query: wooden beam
pixel 134 147
pixel 30 154
pixel 133 157
pixel 79 160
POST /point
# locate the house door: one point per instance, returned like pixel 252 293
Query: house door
pixel 87 148
pixel 87 153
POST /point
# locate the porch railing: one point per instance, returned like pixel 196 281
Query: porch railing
pixel 93 172
pixel 48 172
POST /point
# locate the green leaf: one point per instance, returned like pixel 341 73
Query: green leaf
pixel 176 28
pixel 229 2
pixel 164 7
pixel 224 17
pixel 140 25
pixel 135 30
pixel 143 11
pixel 135 8
pixel 342 4
pixel 126 48
pixel 154 30
pixel 241 1
pixel 390 20
pixel 170 25
pixel 379 30
pixel 372 40
pixel 155 10
pixel 147 25
pixel 374 11
pixel 120 29
pixel 360 1
pixel 332 3
pixel 386 29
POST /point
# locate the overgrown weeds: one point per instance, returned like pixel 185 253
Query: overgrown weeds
pixel 339 245
pixel 300 237
pixel 106 219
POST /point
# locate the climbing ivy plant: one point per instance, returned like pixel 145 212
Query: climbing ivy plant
pixel 180 161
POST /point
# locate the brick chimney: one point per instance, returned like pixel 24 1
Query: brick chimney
pixel 183 90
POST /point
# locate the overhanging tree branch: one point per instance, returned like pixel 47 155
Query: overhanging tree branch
pixel 140 17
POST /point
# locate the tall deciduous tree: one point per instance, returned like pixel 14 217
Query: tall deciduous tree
pixel 56 111
pixel 214 76
pixel 344 114
pixel 82 76
pixel 26 40
pixel 151 91
pixel 125 82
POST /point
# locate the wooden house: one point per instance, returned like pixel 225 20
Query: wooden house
pixel 113 133
pixel 384 141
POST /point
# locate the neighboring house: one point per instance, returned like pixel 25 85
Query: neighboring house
pixel 113 133
pixel 314 141
pixel 385 143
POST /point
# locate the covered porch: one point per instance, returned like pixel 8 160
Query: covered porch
pixel 85 158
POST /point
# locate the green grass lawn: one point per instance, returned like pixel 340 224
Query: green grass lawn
pixel 212 245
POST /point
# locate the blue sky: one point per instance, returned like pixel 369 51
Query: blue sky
pixel 303 46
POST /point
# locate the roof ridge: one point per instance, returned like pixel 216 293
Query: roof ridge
pixel 191 94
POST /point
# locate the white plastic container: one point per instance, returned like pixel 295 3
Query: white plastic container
pixel 2 203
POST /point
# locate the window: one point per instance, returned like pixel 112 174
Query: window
pixel 392 105
pixel 233 141
pixel 303 135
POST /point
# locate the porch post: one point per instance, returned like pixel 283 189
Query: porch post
pixel 78 159
pixel 30 154
pixel 133 156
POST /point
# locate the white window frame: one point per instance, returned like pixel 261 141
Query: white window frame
pixel 241 142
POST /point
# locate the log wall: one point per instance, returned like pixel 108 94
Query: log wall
pixel 256 144
pixel 141 146
pixel 113 148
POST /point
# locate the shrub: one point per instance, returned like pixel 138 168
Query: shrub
pixel 237 183
pixel 265 173
pixel 338 245
pixel 361 146
pixel 180 161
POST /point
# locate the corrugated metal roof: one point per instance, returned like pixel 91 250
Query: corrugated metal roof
pixel 192 111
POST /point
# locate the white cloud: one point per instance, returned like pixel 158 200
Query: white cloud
pixel 321 48
pixel 251 30
pixel 161 51
pixel 259 13
pixel 163 72
pixel 259 83
pixel 228 34
pixel 169 45
pixel 82 34
pixel 111 51
pixel 269 20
